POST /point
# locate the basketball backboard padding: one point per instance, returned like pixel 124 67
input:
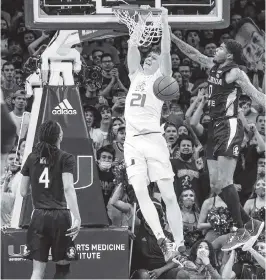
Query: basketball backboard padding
pixel 39 16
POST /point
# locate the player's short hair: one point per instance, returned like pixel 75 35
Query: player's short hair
pixel 95 51
pixel 156 51
pixel 106 55
pixel 7 63
pixel 189 31
pixel 48 135
pixel 108 149
pixel 169 124
pixel 210 42
pixel 260 115
pixel 18 93
pixel 235 48
pixel 244 98
pixel 185 137
pixel 184 65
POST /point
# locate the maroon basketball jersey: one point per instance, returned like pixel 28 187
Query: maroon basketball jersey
pixel 223 97
pixel 46 183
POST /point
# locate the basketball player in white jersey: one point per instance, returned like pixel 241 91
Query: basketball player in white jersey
pixel 145 149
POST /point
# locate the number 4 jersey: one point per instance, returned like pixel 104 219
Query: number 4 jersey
pixel 143 108
pixel 46 183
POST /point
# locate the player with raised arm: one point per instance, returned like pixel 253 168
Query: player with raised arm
pixel 226 130
pixel 49 171
pixel 145 149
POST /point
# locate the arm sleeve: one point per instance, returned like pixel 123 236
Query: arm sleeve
pixel 25 171
pixel 68 164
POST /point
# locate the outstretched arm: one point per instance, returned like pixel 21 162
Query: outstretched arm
pixel 193 53
pixel 166 62
pixel 133 54
pixel 242 79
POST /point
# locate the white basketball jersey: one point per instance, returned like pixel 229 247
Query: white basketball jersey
pixel 143 109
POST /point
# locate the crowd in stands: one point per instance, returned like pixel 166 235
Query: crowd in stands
pixel 103 84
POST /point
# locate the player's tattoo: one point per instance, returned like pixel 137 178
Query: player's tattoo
pixel 245 84
pixel 192 53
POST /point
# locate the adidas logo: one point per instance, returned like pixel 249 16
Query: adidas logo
pixel 64 108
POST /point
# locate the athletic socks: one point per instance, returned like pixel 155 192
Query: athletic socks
pixel 230 196
pixel 61 271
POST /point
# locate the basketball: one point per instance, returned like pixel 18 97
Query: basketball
pixel 166 88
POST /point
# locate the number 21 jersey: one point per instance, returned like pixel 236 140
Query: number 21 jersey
pixel 143 108
pixel 46 183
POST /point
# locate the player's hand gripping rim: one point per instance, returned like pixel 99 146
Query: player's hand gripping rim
pixel 74 230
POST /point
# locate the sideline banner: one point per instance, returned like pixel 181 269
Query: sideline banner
pixel 62 104
pixel 103 254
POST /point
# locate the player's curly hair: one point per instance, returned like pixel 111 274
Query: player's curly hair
pixel 235 48
pixel 48 135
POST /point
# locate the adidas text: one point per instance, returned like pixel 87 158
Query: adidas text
pixel 64 112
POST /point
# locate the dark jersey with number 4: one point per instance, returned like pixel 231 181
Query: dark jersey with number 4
pixel 223 97
pixel 46 183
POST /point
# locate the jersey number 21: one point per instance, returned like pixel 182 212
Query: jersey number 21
pixel 138 100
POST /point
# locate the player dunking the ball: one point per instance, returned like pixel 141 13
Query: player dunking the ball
pixel 145 149
pixel 226 131
pixel 49 171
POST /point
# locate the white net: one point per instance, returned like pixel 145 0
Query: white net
pixel 143 29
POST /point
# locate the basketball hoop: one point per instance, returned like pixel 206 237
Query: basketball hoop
pixel 148 21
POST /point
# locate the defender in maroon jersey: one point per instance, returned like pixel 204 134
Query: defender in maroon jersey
pixel 49 172
pixel 226 131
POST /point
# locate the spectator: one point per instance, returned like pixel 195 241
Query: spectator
pixel 5 33
pixel 184 167
pixel 116 123
pixel 193 39
pixel 118 144
pixel 214 219
pixel 96 56
pixel 118 109
pixel 105 159
pixel 175 61
pixel 245 103
pixel 9 184
pixel 105 47
pixel 210 49
pixel 9 85
pixel 244 267
pixel 19 115
pixel 190 216
pixel 224 38
pixel 100 135
pixel 255 206
pixel 171 136
pixel 19 78
pixel 92 118
pixel 120 207
pixel 201 262
pixel 111 80
pixel 21 148
pixel 185 71
pixel 148 252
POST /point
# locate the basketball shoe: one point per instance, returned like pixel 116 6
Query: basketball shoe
pixel 236 239
pixel 254 227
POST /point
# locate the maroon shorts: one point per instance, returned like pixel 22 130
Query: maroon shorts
pixel 225 138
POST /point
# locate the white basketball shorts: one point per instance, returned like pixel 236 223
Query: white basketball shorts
pixel 148 156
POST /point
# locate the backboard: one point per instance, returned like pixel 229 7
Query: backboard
pixel 97 14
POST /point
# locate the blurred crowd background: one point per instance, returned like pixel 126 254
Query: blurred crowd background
pixel 103 84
